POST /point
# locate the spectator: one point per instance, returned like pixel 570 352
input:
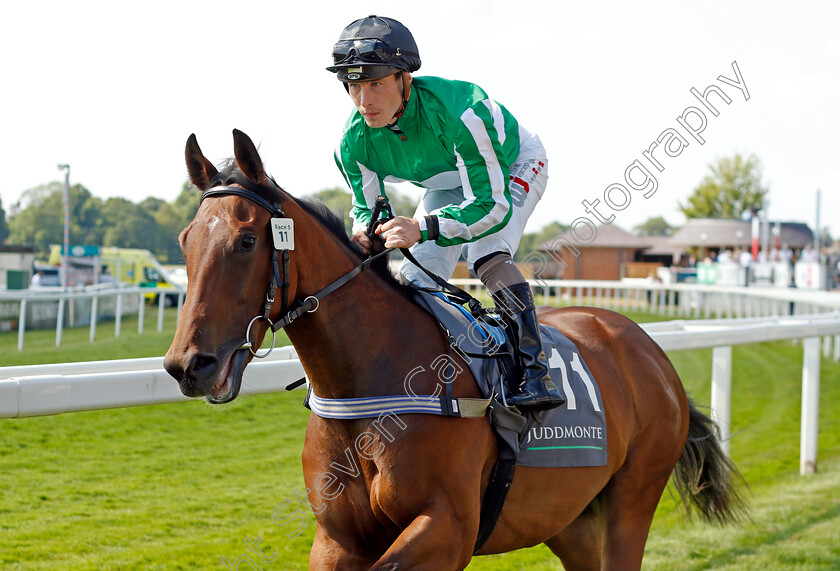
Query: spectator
pixel 809 254
pixel 745 259
pixel 837 273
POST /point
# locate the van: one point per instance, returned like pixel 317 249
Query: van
pixel 132 266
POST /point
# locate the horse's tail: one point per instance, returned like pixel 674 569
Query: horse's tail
pixel 705 477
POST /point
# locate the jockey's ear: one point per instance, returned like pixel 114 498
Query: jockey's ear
pixel 247 157
pixel 200 169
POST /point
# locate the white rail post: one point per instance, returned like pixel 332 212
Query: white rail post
pixel 810 406
pixel 118 318
pixel 162 301
pixel 722 393
pixel 837 348
pixel 59 322
pixel 94 302
pixel 21 324
pixel 141 305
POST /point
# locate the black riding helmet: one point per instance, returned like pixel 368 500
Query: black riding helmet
pixel 374 47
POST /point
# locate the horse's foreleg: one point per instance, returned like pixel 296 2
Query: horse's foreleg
pixel 436 540
pixel 328 553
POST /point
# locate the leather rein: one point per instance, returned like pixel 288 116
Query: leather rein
pixel 298 308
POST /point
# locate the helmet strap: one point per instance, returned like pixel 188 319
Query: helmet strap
pixel 406 94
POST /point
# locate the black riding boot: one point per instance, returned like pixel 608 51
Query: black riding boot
pixel 532 388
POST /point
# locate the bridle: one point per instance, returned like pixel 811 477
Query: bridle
pixel 310 303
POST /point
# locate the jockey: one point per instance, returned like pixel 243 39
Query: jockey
pixel 482 171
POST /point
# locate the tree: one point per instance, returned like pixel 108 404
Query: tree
pixel 654 226
pixel 37 219
pixel 129 225
pixel 186 204
pixel 531 242
pixel 41 222
pixel 169 225
pixel 733 188
pixel 340 202
pixel 4 227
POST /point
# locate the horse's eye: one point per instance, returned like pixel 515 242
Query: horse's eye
pixel 248 242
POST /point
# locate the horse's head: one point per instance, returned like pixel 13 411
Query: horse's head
pixel 228 249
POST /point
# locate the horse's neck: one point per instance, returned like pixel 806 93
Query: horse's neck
pixel 364 340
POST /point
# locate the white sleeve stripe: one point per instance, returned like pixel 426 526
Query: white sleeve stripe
pixel 485 148
pixel 494 217
pixel 453 229
pixel 498 119
pixel 370 185
pixel 465 180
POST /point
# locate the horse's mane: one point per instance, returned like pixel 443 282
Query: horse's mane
pixel 229 173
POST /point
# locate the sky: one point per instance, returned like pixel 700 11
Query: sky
pixel 114 89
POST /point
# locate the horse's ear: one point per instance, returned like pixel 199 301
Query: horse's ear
pixel 201 170
pixel 247 157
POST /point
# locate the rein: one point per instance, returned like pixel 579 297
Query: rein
pixel 381 205
pixel 309 304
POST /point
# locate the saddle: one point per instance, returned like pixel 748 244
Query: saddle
pixel 573 434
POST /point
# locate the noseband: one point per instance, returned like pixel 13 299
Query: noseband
pixel 310 303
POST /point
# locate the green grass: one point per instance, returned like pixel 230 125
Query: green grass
pixel 180 486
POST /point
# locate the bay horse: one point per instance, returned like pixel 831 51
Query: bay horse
pixel 409 494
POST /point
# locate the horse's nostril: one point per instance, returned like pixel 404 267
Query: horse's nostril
pixel 175 370
pixel 202 366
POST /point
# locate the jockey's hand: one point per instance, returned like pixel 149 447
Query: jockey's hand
pixel 400 232
pixel 362 242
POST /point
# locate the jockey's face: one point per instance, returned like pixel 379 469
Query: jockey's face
pixel 378 100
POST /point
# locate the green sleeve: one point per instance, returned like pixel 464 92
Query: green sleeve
pixel 365 184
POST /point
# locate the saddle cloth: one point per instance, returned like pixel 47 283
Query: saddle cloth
pixel 571 435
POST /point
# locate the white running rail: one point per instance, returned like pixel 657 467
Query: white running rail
pixel 746 315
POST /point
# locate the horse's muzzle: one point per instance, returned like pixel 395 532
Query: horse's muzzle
pixel 197 377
